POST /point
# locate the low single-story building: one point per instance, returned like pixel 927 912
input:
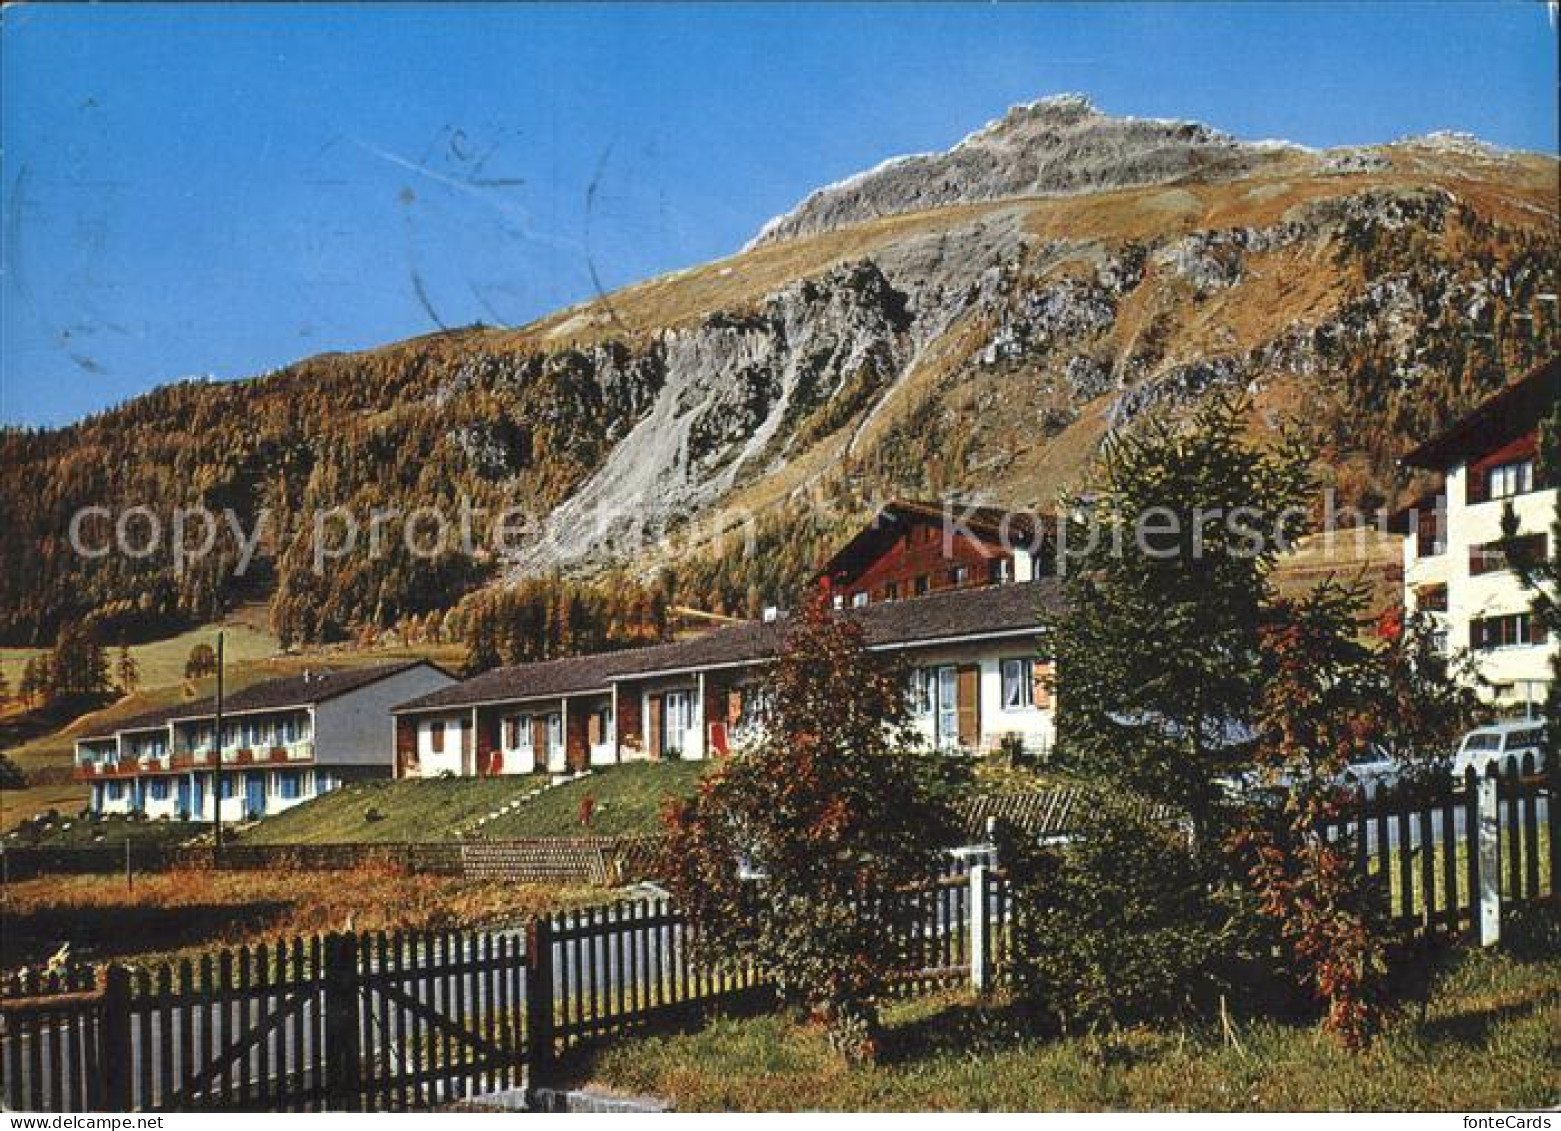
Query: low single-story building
pixel 284 741
pixel 972 652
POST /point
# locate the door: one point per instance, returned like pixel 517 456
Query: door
pixel 677 717
pixel 556 762
pixel 182 803
pixel 654 714
pixel 255 795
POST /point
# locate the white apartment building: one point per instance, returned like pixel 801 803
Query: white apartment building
pixel 1453 567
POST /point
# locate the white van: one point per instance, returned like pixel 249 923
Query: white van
pixel 1499 744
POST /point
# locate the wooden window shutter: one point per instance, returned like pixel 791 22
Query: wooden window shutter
pixel 1041 684
pixel 969 698
pixel 656 703
pixel 436 737
pixel 539 736
pixel 593 728
pixel 1476 483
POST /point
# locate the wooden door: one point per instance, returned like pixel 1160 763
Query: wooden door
pixel 970 706
pixel 655 727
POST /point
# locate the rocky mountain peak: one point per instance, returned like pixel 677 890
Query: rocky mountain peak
pixel 1055 145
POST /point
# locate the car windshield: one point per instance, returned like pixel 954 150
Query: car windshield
pixel 1483 740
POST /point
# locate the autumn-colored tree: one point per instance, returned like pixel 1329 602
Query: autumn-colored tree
pixel 797 853
pixel 1332 695
pixel 202 661
pixel 78 665
pixel 127 672
pixel 34 679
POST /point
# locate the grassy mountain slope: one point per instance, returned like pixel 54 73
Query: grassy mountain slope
pixel 981 347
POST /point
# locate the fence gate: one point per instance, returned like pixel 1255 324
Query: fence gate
pixel 425 1018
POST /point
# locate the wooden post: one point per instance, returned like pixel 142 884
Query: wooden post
pixel 216 765
pixel 116 1052
pixel 980 952
pixel 343 1057
pixel 539 1001
pixel 1487 912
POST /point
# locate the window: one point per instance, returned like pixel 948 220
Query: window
pixel 923 691
pixel 1514 630
pixel 511 733
pixel 436 736
pixel 1531 739
pixel 1431 529
pixel 859 600
pixel 158 789
pixel 923 583
pixel 1508 479
pixel 679 712
pixel 115 790
pixel 1489 557
pixel 1018 684
pixel 959 575
pixel 1431 598
pixel 999 571
pixel 288 786
pixel 555 731
pixel 948 707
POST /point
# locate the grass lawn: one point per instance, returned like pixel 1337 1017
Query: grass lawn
pixel 1489 1041
pixel 628 800
pixel 182 912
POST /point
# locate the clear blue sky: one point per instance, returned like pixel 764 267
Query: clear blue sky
pixel 215 190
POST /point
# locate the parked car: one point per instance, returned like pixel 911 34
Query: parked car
pixel 1500 744
pixel 1372 771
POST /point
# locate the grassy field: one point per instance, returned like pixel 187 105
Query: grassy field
pixel 162 661
pixel 627 800
pixel 1489 1040
pixel 100 917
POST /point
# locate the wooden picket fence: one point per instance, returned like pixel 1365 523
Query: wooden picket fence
pixel 392 1022
pixel 1442 855
pixel 416 1020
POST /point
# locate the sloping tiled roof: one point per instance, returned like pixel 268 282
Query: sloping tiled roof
pixel 949 615
pixel 146 720
pixel 1010 528
pixel 307 689
pixel 1494 421
pixel 570 675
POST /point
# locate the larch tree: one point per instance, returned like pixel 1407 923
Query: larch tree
pixel 797 854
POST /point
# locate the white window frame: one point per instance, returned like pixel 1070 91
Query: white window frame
pixel 1024 668
pixel 946 729
pixel 1507 480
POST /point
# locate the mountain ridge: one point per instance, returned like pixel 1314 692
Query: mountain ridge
pixel 980 346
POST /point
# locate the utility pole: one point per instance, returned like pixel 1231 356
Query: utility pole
pixel 216 777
